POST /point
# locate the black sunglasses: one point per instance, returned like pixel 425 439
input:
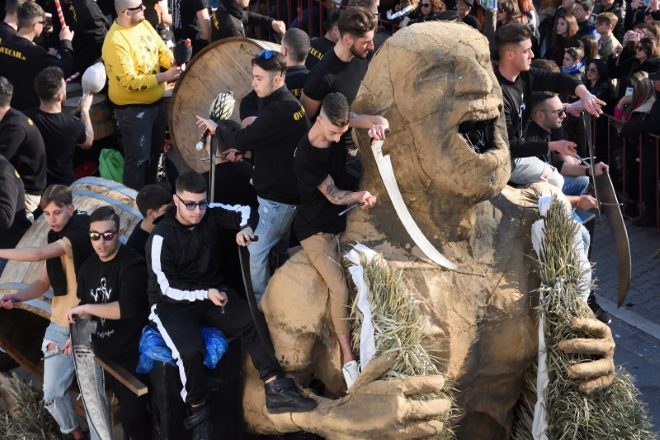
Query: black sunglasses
pixel 136 8
pixel 106 236
pixel 190 206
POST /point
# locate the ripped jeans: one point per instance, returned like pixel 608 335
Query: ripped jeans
pixel 142 130
pixel 59 372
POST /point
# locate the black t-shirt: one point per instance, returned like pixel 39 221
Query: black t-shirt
pixel 138 240
pixel 61 133
pixel 13 222
pixel 296 77
pixel 6 31
pixel 184 14
pixel 312 165
pixel 318 47
pixel 21 60
pixel 22 144
pixel 122 279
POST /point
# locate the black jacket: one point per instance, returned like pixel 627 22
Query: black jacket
pixel 183 261
pixel 229 20
pixel 22 144
pixel 13 222
pixel 517 97
pixel 650 124
pixel 273 137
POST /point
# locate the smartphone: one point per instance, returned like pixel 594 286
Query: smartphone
pixel 629 91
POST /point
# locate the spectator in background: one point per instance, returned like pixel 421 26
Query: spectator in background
pixel 319 46
pixel 61 132
pixel 22 144
pixel 21 59
pixel 639 104
pixel 573 64
pixel 585 19
pixel 295 47
pixel 605 24
pixel 427 9
pixel 464 9
pixel 13 218
pixel 152 201
pixel 589 45
pixel 635 13
pixel 190 17
pixel 611 7
pixel 133 54
pixel 507 12
pixel 565 35
pixel 646 58
pixel 9 25
pixel 231 17
pixel 89 27
pixel 598 80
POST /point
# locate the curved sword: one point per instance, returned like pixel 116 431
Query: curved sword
pixel 387 175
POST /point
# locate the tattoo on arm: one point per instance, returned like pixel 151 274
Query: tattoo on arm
pixel 335 195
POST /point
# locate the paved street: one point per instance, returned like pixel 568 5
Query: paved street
pixel 636 325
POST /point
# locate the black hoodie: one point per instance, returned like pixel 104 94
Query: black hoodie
pixel 229 20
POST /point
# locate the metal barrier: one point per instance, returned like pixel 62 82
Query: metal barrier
pixel 308 15
pixel 643 165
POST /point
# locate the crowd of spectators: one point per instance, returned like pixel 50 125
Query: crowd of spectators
pixel 591 58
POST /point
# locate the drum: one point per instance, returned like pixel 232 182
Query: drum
pixel 221 66
pixel 22 328
pixel 100 114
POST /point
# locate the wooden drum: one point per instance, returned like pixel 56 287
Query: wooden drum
pixel 22 328
pixel 221 66
pixel 100 114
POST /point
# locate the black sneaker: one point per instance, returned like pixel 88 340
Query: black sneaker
pixel 600 313
pixel 199 423
pixel 283 396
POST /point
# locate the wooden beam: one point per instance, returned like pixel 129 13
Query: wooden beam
pixel 122 375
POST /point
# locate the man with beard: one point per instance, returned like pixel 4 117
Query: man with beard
pixel 133 54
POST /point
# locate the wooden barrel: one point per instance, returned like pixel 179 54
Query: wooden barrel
pixel 100 114
pixel 222 66
pixel 22 328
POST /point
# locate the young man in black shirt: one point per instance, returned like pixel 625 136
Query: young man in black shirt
pixel 112 286
pixel 184 14
pixel 21 59
pixel 13 219
pixel 295 46
pixel 319 46
pixel 22 144
pixel 152 201
pixel 61 132
pixel 231 17
pixel 272 136
pixel 9 25
pixel 319 166
pixel 186 289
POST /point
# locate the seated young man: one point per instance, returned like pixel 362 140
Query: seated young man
pixel 112 286
pixel 152 201
pixel 186 289
pixel 68 247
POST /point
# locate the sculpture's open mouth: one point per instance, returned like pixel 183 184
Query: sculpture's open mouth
pixel 479 135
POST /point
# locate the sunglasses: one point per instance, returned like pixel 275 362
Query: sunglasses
pixel 559 112
pixel 190 206
pixel 106 236
pixel 136 8
pixel 266 54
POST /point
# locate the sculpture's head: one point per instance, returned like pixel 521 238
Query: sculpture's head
pixel 435 84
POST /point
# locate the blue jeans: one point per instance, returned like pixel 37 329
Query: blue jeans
pixel 59 372
pixel 142 130
pixel 275 220
pixel 575 185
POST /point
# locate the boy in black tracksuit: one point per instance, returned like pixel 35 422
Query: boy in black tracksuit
pixel 186 289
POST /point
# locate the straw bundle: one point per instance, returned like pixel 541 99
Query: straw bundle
pixel 28 419
pixel 398 327
pixel 613 413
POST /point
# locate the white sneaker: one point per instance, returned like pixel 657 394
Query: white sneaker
pixel 351 373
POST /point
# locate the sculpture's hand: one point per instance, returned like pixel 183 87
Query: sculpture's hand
pixel 383 409
pixel 596 374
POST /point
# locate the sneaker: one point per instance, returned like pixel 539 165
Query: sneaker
pixel 283 396
pixel 600 313
pixel 351 373
pixel 199 423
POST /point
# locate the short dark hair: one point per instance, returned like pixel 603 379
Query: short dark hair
pixel 297 43
pixel 27 13
pixel 152 196
pixel 60 195
pixel 539 99
pixel 574 52
pixel 6 91
pixel 356 21
pixel 512 33
pixel 191 181
pixel 607 18
pixel 48 83
pixel 331 20
pixel 547 65
pixel 588 5
pixel 335 108
pixel 105 213
pixel 11 6
pixel 270 61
